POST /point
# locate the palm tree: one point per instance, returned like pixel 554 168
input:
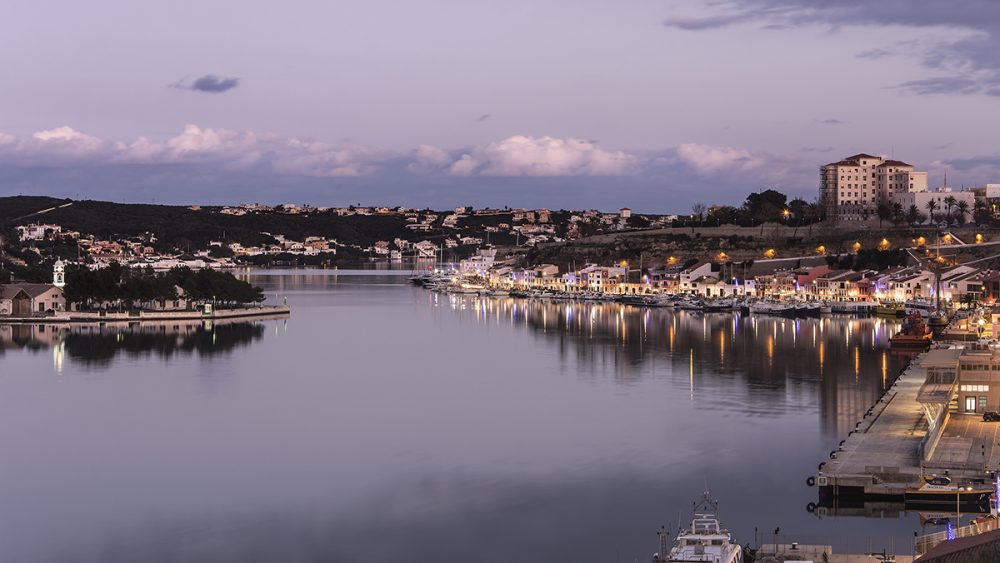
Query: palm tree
pixel 912 215
pixel 884 212
pixel 931 206
pixel 897 213
pixel 949 203
pixel 963 210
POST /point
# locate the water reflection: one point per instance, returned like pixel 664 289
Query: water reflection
pixel 750 364
pixel 388 423
pixel 97 345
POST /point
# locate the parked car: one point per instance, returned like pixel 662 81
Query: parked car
pixel 991 416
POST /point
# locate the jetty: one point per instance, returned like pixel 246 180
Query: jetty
pixel 199 314
pixel 913 430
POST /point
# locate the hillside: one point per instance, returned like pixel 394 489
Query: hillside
pixel 181 227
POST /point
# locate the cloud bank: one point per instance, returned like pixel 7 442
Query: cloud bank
pixel 207 164
pixel 965 64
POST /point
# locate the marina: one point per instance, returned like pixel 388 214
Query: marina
pixel 624 414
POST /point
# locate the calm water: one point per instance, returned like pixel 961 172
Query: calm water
pixel 382 422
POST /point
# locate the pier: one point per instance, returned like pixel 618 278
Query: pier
pixel 880 458
pixel 914 430
pixel 248 313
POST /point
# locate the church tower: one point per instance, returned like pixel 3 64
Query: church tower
pixel 59 274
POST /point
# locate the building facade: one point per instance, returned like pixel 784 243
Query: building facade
pixel 851 189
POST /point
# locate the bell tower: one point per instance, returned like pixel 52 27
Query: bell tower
pixel 59 274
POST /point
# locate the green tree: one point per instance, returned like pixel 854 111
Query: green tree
pixel 963 211
pixel 931 207
pixel 765 206
pixel 884 212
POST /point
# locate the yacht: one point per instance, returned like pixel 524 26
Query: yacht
pixel 705 541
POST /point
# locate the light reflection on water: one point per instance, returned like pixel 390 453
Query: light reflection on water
pixel 387 423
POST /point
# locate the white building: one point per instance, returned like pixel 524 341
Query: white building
pixel 851 189
pixel 939 197
pixel 38 231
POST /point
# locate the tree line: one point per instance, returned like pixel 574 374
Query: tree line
pixel 127 286
pixel 767 206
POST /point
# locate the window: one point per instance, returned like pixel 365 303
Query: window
pixel 982 403
pixel 976 388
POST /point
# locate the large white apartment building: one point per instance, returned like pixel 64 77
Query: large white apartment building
pixel 851 189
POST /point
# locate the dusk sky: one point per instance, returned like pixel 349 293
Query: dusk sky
pixel 565 104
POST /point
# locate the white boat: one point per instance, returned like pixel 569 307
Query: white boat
pixel 921 306
pixel 705 541
pixel 769 307
pixel 691 304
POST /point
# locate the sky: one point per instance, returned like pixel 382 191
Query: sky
pixel 650 104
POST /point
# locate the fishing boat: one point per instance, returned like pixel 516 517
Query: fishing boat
pixel 914 334
pixel 705 541
pixel 938 491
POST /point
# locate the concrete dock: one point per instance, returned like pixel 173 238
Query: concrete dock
pixel 882 454
pixel 909 433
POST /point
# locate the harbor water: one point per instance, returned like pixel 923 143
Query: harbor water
pixel 382 422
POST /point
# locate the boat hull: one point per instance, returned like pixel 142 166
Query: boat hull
pixel 947 499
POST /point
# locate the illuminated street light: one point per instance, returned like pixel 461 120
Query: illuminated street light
pixel 979 238
pixel 884 244
pixel 821 249
pixel 856 246
pixel 770 253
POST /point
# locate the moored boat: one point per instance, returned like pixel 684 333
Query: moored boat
pixel 914 334
pixel 705 541
pixel 939 491
pixel 890 309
